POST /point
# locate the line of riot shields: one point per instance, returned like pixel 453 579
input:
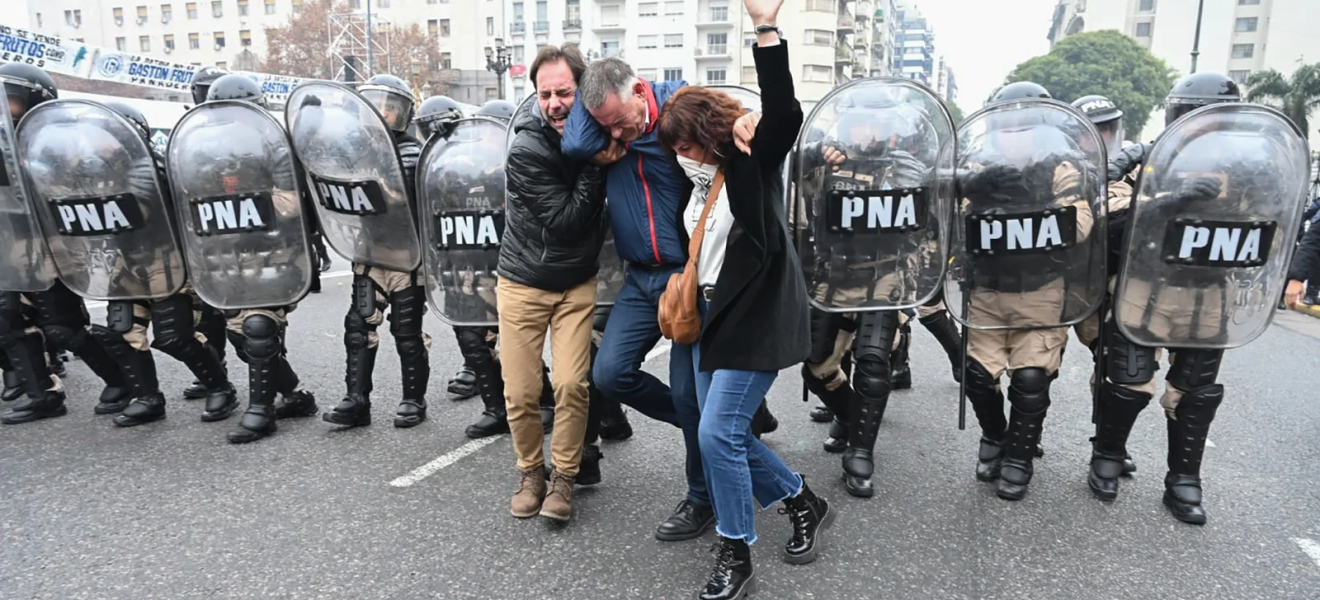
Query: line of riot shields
pixel 883 195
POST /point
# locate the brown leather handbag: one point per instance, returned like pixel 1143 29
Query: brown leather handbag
pixel 679 319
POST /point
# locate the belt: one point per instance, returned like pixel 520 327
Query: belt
pixel 707 292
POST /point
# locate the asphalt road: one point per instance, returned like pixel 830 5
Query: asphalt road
pixel 170 510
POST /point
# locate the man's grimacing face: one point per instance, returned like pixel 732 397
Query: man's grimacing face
pixel 624 118
pixel 555 92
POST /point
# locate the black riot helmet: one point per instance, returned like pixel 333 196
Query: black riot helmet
pixel 134 116
pixel 392 98
pixel 237 87
pixel 498 109
pixel 437 115
pixel 1020 90
pixel 1106 117
pixel 25 87
pixel 1197 90
pixel 202 81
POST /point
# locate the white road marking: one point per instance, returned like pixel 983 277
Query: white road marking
pixel 432 467
pixel 1310 547
pixel 94 304
pixel 1209 444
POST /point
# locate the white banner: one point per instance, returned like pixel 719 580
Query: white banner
pixel 50 53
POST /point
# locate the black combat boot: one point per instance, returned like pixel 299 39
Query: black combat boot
pixel 220 404
pixel 13 386
pixel 55 361
pixel 257 422
pixel 864 427
pixel 265 369
pixel 355 409
pixel 837 439
pixel 810 515
pixel 837 401
pixel 1187 434
pixel 297 404
pixel 352 411
pixel 27 354
pixel 732 576
pixel 947 334
pixel 614 425
pixel 589 468
pixel 494 420
pixel 34 408
pixel 821 414
pixel 463 386
pixel 1029 395
pixel 988 404
pixel 112 400
pixel 763 421
pixel 143 410
pixel 547 402
pixel 140 375
pixel 1117 412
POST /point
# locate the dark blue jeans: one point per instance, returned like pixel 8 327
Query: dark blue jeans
pixel 630 333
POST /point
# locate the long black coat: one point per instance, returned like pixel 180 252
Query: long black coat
pixel 757 319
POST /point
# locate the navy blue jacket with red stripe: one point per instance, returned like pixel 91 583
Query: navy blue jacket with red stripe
pixel 646 190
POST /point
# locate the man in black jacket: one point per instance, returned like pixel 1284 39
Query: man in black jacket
pixel 554 229
pixel 1305 267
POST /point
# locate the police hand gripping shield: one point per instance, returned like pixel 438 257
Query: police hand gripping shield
pixel 355 175
pixel 871 198
pixel 103 210
pixel 1213 222
pixel 1028 243
pixel 239 206
pixel 26 266
pixel 461 184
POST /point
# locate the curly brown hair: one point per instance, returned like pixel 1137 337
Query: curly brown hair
pixel 699 116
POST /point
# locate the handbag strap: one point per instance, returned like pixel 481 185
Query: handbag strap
pixel 694 245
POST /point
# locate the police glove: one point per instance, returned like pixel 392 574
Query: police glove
pixel 1127 159
pixel 991 183
pixel 1195 189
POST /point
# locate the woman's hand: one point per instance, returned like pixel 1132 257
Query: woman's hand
pixel 763 12
pixel 744 129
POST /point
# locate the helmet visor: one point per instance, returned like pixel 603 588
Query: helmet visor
pixel 22 96
pixel 391 105
pixel 1112 132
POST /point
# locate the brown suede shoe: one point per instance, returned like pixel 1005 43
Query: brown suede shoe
pixel 558 504
pixel 531 491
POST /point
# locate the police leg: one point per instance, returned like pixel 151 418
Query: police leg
pixel 62 316
pixel 407 307
pixel 1040 353
pixel 294 399
pixel 935 318
pixel 212 325
pixel 25 347
pixel 872 350
pixel 822 340
pixel 1189 402
pixel 124 337
pixel 13 380
pixel 463 385
pixel 262 347
pixel 826 376
pixel 494 419
pixel 987 400
pixel 360 344
pixel 899 361
pixel 1128 388
pixel 175 335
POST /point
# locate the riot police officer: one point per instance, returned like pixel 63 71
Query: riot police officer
pixel 202 80
pixel 1191 395
pixel 58 317
pixel 497 109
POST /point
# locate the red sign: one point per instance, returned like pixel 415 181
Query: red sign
pixel 518 70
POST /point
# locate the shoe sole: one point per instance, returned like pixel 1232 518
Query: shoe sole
pixel 457 398
pixel 527 515
pixel 1168 503
pixel 811 555
pixel 59 412
pixel 1011 496
pixel 558 518
pixel 135 422
pixel 109 409
pixel 220 415
pixel 476 435
pixel 330 418
pixel 406 422
pixel 250 437
pixel 300 414
pixel 1103 495
pixel 682 537
pixel 748 587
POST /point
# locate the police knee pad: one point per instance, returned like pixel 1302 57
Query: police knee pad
pixel 1193 369
pixel 1029 389
pixel 871 377
pixel 356 331
pixel 262 335
pixel 472 343
pixel 1127 363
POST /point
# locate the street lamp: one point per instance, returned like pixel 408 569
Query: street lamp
pixel 497 60
pixel 416 67
pixel 427 90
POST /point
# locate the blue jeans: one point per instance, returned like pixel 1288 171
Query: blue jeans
pixel 738 466
pixel 630 333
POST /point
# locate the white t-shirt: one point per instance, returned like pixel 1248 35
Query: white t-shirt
pixel 718 223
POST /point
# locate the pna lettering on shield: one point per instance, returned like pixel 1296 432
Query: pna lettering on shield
pixel 1022 233
pixel 882 211
pixel 228 215
pixel 1227 244
pixel 468 230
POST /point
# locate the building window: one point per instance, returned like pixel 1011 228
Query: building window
pixel 383 3
pixel 573 11
pixel 673 74
pixel 749 39
pixel 716 76
pixel 673 40
pixel 1143 30
pixel 121 44
pixel 242 8
pixel 446 59
pixel 245 38
pixel 355 4
pixel 144 43
pixel 39 21
pixel 222 65
pixel 1245 24
pixel 817 73
pixel 648 9
pixel 119 16
pixel 444 27
pixel 166 13
pixel 821 5
pixel 270 7
pixel 73 18
pixel 1146 6
pixel 1248 2
pixel 217 9
pixel 647 42
pixel 518 12
pixel 142 14
pixel 219 39
pixel 719 13
pixel 749 75
pixel 674 8
pixel 717 43
pixel 194 42
pixel 608 48
pixel 542 11
pixel 192 10
pixel 518 55
pixel 297 6
pixel 433 27
pixel 647 74
pixel 610 14
pixel 492 93
pixel 1240 76
pixel 1244 50
pixel 490 25
pixel 169 42
pixel 817 37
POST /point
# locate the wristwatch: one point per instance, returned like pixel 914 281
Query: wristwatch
pixel 768 28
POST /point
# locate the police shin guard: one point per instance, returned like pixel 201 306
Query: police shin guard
pixel 875 337
pixel 494 419
pixel 1117 412
pixel 140 372
pixel 1187 434
pixel 988 404
pixel 901 370
pixel 946 333
pixel 839 401
pixel 27 354
pixel 262 346
pixel 1029 395
pixel 355 409
pixel 91 349
pixel 406 312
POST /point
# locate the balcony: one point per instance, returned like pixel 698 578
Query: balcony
pixel 712 52
pixel 541 27
pixel 572 25
pixel 609 25
pixel 844 53
pixel 517 28
pixel 712 19
pixel 611 53
pixel 847 22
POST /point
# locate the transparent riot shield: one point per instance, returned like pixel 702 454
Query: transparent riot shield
pixel 26 264
pixel 1028 231
pixel 871 205
pixel 1212 227
pixel 354 175
pixel 240 207
pixel 749 98
pixel 95 189
pixel 461 182
pixel 609 279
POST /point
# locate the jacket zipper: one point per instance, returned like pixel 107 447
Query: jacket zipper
pixel 650 214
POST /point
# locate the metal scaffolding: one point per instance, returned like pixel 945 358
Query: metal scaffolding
pixel 356 42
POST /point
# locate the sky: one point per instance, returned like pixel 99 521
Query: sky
pixel 983 40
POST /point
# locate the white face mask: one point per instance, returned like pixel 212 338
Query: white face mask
pixel 700 174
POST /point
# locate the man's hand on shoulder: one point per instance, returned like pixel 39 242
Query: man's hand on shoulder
pixel 610 155
pixel 744 129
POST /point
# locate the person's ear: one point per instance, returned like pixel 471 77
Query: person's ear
pixel 639 88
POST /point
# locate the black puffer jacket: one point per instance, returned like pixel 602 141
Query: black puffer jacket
pixel 554 215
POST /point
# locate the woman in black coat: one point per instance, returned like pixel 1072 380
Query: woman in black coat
pixel 753 303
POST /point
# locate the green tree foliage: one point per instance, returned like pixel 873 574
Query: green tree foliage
pixel 1102 62
pixel 1296 96
pixel 957 113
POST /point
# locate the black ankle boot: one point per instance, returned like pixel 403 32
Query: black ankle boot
pixel 732 576
pixel 1116 413
pixel 988 458
pixel 258 422
pixel 763 421
pixel 821 414
pixel 113 399
pixel 1016 469
pixel 810 514
pixel 142 410
pixel 297 404
pixel 463 386
pixel 838 437
pixel 13 386
pixel 492 421
pixel 49 404
pixel 198 390
pixel 1182 495
pixel 352 411
pixel 411 413
pixel 589 468
pixel 615 427
pixel 220 404
pixel 1187 434
pixel 858 466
